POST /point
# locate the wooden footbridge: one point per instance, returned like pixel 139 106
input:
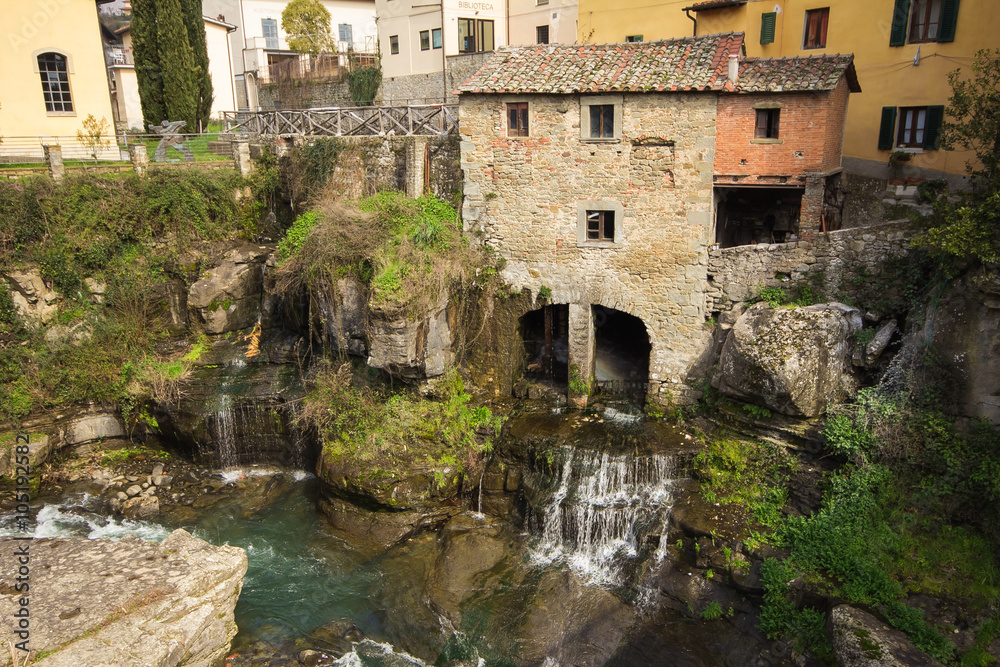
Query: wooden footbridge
pixel 414 120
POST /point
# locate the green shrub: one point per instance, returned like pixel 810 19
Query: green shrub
pixel 773 296
pixel 712 612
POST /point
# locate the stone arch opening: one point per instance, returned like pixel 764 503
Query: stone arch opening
pixel 621 351
pixel 545 334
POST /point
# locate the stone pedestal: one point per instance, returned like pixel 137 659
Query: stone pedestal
pixel 139 158
pixel 54 161
pixel 241 154
pixel 581 354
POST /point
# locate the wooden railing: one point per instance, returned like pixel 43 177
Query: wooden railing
pixel 426 120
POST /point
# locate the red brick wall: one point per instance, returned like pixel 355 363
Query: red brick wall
pixel 810 129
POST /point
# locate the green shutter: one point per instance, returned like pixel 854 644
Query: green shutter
pixel 887 128
pixel 767 22
pixel 932 133
pixel 899 16
pixel 949 17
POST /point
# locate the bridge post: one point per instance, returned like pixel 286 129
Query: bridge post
pixel 581 354
pixel 241 154
pixel 54 161
pixel 415 165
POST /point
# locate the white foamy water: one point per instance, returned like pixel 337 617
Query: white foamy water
pixel 73 518
pixel 601 510
pixel 368 653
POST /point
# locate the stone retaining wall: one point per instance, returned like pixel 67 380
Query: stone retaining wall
pixel 735 274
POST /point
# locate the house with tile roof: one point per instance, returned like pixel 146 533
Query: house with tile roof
pixel 603 173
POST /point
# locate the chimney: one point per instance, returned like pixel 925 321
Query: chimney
pixel 734 68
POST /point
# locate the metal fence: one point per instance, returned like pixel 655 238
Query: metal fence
pixel 109 149
pixel 305 67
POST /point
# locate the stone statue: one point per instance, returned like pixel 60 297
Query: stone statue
pixel 171 137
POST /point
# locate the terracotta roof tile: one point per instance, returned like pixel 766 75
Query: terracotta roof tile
pixel 759 75
pixel 692 63
pixel 714 4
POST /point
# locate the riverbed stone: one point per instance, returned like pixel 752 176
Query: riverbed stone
pixel 792 360
pixel 141 508
pixel 127 603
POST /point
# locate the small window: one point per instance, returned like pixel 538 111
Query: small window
pixel 475 35
pixel 425 40
pixel 602 121
pixel 767 124
pixel 925 18
pixel 542 34
pixel 541 2
pixel 767 22
pixel 517 119
pixel 346 33
pixel 436 38
pixel 912 124
pixel 815 28
pixel 633 38
pixel 269 28
pixel 55 83
pixel 601 226
pixel 394 45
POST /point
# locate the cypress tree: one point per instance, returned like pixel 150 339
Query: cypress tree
pixel 180 75
pixel 146 52
pixel 196 37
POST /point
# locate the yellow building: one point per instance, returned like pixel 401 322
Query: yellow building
pixel 903 51
pixel 54 75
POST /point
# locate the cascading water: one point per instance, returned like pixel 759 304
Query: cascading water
pixel 604 510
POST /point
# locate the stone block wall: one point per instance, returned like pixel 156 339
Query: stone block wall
pixel 810 133
pixel 305 94
pixel 735 274
pixel 526 197
pixel 430 87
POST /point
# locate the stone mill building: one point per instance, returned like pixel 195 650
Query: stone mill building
pixel 603 174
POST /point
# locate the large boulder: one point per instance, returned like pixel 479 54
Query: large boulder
pixel 412 347
pixel 126 603
pixel 35 302
pixel 861 640
pixel 792 360
pixel 963 327
pixel 345 317
pixel 228 296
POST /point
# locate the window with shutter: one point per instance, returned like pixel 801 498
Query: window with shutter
pixel 949 18
pixel 815 28
pixel 517 119
pixel 767 124
pixel 886 128
pixel 900 13
pixel 932 135
pixel 767 23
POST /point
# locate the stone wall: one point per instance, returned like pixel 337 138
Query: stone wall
pixel 429 88
pixel 305 94
pixel 735 274
pixel 527 198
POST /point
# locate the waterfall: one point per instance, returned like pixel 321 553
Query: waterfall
pixel 604 510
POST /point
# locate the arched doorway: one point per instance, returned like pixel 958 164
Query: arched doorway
pixel 621 352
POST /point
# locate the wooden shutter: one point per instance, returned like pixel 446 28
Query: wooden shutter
pixel 767 22
pixel 949 17
pixel 932 133
pixel 885 130
pixel 897 36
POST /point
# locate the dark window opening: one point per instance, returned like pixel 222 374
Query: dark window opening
pixel 55 83
pixel 436 38
pixel 633 38
pixel 816 21
pixel 475 35
pixel 545 333
pixel 542 34
pixel 425 40
pixel 602 121
pixel 747 216
pixel 925 17
pixel 517 119
pixel 621 354
pixel 394 44
pixel 767 124
pixel 912 123
pixel 601 226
